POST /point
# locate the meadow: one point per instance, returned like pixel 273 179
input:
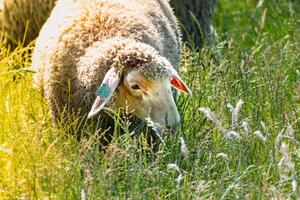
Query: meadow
pixel 240 134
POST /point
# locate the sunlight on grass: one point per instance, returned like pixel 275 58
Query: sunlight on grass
pixel 34 154
pixel 239 138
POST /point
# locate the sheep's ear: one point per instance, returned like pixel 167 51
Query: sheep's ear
pixel 106 90
pixel 179 85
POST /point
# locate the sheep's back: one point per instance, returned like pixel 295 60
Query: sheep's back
pixel 81 23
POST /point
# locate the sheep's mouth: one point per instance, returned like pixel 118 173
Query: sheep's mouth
pixel 171 130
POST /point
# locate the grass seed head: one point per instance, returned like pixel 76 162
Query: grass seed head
pixel 184 149
pixel 233 135
pixel 279 137
pixel 223 155
pixel 83 195
pixel 173 166
pixel 264 127
pixel 260 136
pixel 235 112
pixel 246 128
pixel 212 117
pixel 287 161
pixel 290 131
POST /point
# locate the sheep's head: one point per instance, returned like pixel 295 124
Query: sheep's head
pixel 144 87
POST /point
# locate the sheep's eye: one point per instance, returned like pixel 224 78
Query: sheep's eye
pixel 135 86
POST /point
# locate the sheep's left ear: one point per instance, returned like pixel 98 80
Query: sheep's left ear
pixel 179 85
pixel 106 90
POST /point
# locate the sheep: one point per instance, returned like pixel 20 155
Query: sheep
pixel 200 10
pixel 22 19
pixel 20 16
pixel 92 54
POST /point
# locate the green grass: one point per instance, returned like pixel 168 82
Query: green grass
pixel 255 59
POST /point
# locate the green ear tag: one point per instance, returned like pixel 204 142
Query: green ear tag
pixel 103 91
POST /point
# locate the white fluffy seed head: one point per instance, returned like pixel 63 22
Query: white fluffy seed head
pixel 246 128
pixel 294 185
pixel 207 112
pixel 286 157
pixel 290 131
pixel 233 135
pixel 235 112
pixel 264 127
pixel 260 136
pixel 238 106
pixel 184 149
pixel 223 155
pixel 173 166
pixel 83 195
pixel 212 117
pixel 279 137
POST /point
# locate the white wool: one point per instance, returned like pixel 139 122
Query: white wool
pixel 82 39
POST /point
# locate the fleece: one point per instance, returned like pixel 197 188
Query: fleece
pixel 82 39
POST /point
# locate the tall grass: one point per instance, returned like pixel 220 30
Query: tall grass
pixel 222 152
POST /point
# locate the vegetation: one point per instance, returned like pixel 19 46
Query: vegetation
pixel 224 151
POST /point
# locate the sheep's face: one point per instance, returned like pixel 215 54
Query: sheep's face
pixel 146 98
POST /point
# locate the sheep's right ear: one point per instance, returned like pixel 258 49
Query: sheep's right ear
pixel 106 90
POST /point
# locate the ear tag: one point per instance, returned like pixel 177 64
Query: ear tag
pixel 103 91
pixel 177 84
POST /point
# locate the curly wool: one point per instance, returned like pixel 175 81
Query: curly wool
pixel 82 39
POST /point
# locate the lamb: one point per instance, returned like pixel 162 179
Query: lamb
pixel 116 53
pixel 28 16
